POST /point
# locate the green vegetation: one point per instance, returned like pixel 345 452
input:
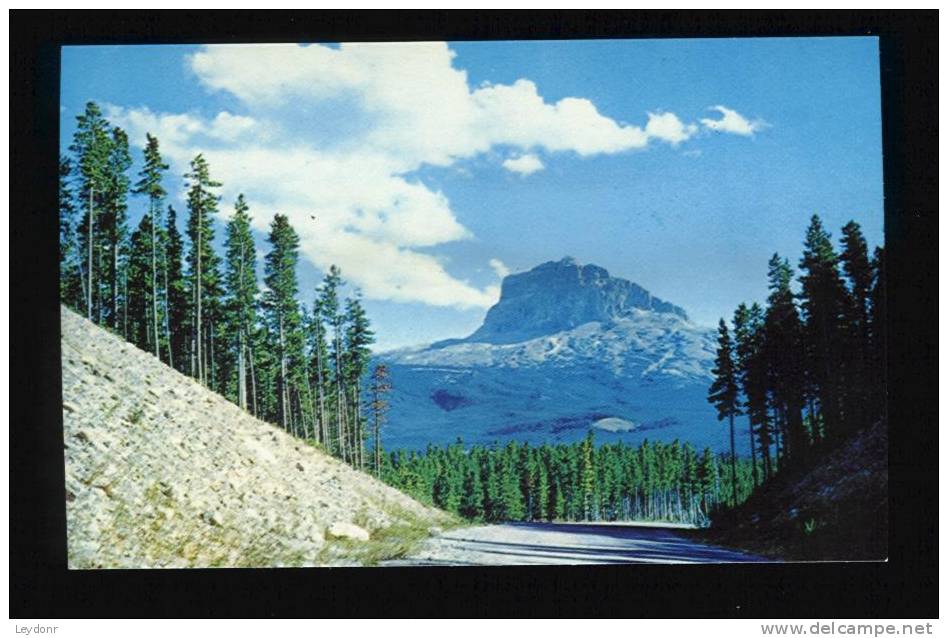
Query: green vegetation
pixel 571 482
pixel 207 316
pixel 808 369
pixel 398 540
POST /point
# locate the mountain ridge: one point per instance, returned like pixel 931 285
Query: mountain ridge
pixel 560 295
pixel 566 348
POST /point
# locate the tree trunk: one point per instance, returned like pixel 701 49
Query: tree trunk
pixel 378 440
pixel 197 323
pixel 167 314
pixel 211 376
pixel 89 275
pixel 733 463
pixel 241 384
pixel 750 432
pixel 340 399
pixel 154 280
pixel 283 390
pixel 324 430
pixel 125 305
pixel 113 275
pixel 253 381
pixel 241 372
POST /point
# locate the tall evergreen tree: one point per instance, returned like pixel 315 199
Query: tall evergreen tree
pixel 877 334
pixel 746 324
pixel 280 301
pixel 358 338
pixel 379 389
pixel 149 185
pixel 319 364
pixel 114 219
pixel 822 305
pixel 854 259
pixel 138 325
pixel 70 277
pixel 176 298
pixel 588 474
pixel 472 493
pixel 91 148
pixel 723 393
pixel 333 318
pixel 203 265
pixel 240 277
pixel 783 345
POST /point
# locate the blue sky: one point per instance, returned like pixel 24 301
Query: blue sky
pixel 432 169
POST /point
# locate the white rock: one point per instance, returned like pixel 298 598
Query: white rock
pixel 341 529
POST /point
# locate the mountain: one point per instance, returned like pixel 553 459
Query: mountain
pixel 162 472
pixel 568 347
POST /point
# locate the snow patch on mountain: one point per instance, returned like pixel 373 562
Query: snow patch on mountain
pixel 567 348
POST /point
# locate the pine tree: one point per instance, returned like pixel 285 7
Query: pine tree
pixel 511 495
pixel 138 325
pixel 176 299
pixel 588 476
pixel 822 305
pixel 877 334
pixel 723 393
pixel 149 185
pixel 854 259
pixel 281 304
pixel 91 148
pixel 70 278
pixel 746 325
pixel 319 365
pixel 708 477
pixel 358 338
pixel 203 265
pixel 472 494
pixel 115 206
pixel 379 389
pixel 783 345
pixel 240 279
pixel 329 306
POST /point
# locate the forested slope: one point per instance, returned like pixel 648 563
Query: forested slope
pixel 836 509
pixel 161 472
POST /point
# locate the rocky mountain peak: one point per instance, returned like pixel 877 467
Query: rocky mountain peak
pixel 560 295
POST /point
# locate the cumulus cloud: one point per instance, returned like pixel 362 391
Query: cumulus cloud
pixel 524 165
pixel 397 107
pixel 668 128
pixel 499 267
pixel 732 122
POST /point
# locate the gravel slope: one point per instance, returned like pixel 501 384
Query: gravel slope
pixel 161 472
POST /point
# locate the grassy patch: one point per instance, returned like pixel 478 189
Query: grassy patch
pixel 398 540
pixel 135 416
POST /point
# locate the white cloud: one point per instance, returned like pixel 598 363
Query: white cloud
pixel 668 128
pixel 525 164
pixel 397 107
pixel 499 267
pixel 732 122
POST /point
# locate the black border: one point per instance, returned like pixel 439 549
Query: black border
pixel 905 586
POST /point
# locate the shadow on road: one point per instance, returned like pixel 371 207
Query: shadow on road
pixel 552 543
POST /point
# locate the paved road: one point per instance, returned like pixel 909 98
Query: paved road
pixel 564 544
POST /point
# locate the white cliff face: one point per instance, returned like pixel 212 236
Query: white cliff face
pixel 567 348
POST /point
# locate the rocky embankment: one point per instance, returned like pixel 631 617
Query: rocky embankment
pixel 834 509
pixel 161 472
